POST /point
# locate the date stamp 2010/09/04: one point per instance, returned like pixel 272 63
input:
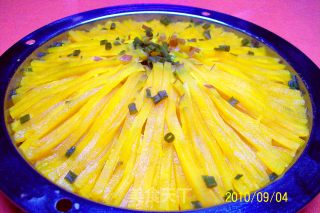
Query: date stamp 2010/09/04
pixel 261 197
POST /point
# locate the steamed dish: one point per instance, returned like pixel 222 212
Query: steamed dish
pixel 158 115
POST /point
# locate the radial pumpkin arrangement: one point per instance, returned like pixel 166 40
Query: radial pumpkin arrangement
pixel 158 115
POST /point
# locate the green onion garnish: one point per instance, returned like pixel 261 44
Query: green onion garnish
pixel 255 43
pixel 132 108
pixel 196 204
pixel 206 26
pixel 273 176
pixel 148 30
pixel 192 40
pixel 196 23
pixel 113 26
pixel 208 86
pixel 70 151
pixel 76 52
pixel 24 118
pixel 122 52
pixel 137 43
pixel 250 43
pixel 225 48
pixel 108 46
pixel 209 181
pixel 250 53
pixel 207 34
pixel 56 44
pixel 28 69
pixel 165 20
pixel 156 99
pixel 148 92
pixel 238 176
pixel 41 54
pixel 145 27
pixel 293 83
pixel 116 43
pixel 233 101
pixel 103 42
pixel 169 137
pixel 13 92
pixel 245 42
pixel 71 177
pixel 163 94
pixel 149 33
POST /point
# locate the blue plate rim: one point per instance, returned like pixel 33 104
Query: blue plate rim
pixel 26 193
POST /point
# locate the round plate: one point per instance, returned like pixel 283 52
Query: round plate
pixel 34 193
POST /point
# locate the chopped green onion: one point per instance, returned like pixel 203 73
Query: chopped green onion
pixel 132 108
pixel 13 92
pixel 213 65
pixel 225 48
pixel 207 34
pixel 250 43
pixel 255 43
pixel 196 23
pixel 293 83
pixel 103 42
pixel 209 181
pixel 208 86
pixel 245 42
pixel 149 33
pixel 116 43
pixel 113 26
pixel 108 46
pixel 165 20
pixel 163 94
pixel 71 177
pixel 41 54
pixel 238 176
pixel 206 26
pixel 76 52
pixel 122 52
pixel 56 44
pixel 196 204
pixel 156 99
pixel 70 151
pixel 145 27
pixel 192 40
pixel 154 51
pixel 28 69
pixel 169 137
pixel 250 53
pixel 233 101
pixel 24 118
pixel 148 92
pixel 273 176
pixel 137 43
